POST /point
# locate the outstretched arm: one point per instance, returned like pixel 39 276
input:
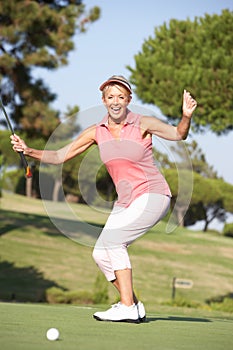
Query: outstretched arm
pixel 79 145
pixel 155 126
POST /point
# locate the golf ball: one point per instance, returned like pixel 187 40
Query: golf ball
pixel 52 334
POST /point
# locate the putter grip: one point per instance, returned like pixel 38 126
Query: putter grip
pixel 25 165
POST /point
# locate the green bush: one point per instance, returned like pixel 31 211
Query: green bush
pixel 100 290
pixel 14 181
pixel 79 297
pixel 221 302
pixel 56 295
pixel 182 302
pixel 225 306
pixel 228 230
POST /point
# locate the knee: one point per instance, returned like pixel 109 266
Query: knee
pixel 97 256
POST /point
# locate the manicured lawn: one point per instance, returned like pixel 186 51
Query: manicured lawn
pixel 24 326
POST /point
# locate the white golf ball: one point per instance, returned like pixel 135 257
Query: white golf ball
pixel 52 334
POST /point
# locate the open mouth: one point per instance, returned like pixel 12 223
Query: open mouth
pixel 116 109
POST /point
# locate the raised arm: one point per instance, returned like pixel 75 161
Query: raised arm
pixel 155 126
pixel 79 145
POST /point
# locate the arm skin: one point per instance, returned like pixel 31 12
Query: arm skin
pixel 151 125
pixel 79 145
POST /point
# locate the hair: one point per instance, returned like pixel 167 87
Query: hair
pixel 118 86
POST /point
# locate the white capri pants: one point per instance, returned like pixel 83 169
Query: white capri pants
pixel 123 227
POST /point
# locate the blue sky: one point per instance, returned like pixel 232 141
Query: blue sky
pixel 111 43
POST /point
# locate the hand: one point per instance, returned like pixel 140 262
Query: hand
pixel 18 144
pixel 189 104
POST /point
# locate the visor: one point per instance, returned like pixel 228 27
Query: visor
pixel 118 79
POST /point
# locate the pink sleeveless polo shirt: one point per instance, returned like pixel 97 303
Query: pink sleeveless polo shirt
pixel 129 161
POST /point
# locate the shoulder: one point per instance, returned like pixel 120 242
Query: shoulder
pixel 147 120
pixel 148 123
pixel 88 134
pixel 90 130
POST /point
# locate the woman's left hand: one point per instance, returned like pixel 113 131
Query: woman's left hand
pixel 189 104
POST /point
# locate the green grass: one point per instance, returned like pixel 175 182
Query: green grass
pixel 35 255
pixel 24 326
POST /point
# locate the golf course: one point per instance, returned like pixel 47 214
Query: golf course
pixel 36 257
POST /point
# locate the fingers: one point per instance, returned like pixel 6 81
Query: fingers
pixel 14 137
pixel 188 101
pixel 188 98
pixel 189 104
pixel 18 144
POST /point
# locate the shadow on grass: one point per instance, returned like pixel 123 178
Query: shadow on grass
pixel 10 220
pixel 177 319
pixel 23 284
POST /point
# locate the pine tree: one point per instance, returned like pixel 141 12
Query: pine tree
pixel 36 34
pixel 197 56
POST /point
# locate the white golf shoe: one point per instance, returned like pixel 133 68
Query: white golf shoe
pixel 141 311
pixel 119 313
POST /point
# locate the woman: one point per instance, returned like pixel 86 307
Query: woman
pixel 125 145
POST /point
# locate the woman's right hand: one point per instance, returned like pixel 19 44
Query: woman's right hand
pixel 18 144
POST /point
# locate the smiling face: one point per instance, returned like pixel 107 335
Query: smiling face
pixel 116 99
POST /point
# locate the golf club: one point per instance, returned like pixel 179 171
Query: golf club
pixel 28 172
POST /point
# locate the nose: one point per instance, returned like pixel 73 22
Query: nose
pixel 115 100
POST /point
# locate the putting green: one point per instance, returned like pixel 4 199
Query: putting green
pixel 24 326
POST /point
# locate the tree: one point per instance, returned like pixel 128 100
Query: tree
pixel 227 192
pixel 207 199
pixel 162 159
pixel 36 34
pixel 1 170
pixel 196 56
pixel 212 199
pixel 63 134
pixel 95 185
pixel 181 185
pixel 197 158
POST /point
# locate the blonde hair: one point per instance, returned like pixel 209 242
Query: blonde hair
pixel 118 86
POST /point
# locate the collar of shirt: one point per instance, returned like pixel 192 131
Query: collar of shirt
pixel 130 119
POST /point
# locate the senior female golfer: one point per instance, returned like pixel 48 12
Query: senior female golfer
pixel 124 140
